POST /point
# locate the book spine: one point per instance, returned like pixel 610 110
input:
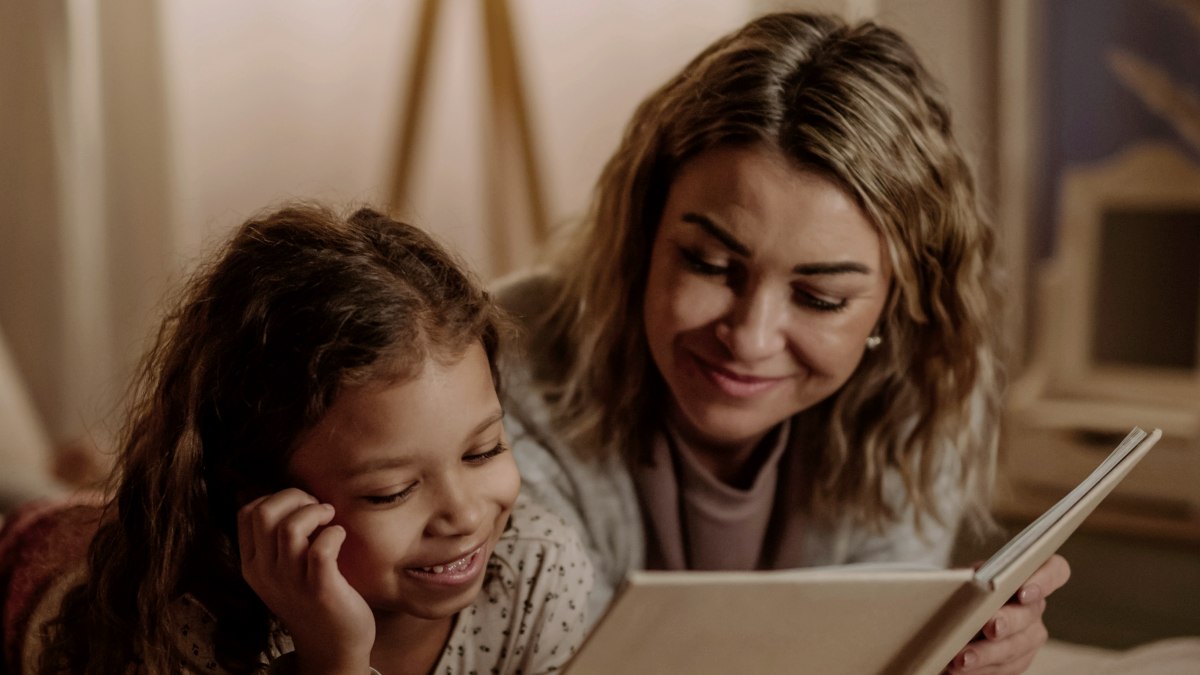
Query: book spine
pixel 940 639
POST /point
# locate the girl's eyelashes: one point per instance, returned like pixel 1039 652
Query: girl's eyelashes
pixel 479 458
pixel 382 500
pixel 397 497
pixel 696 262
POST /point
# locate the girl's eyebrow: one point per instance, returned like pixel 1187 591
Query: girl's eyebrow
pixel 731 242
pixel 397 461
pixel 372 465
pixel 496 416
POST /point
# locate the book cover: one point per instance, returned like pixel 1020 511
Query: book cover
pixel 857 619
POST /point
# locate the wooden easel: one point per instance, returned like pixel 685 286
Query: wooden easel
pixel 509 115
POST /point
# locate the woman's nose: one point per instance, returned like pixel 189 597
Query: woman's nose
pixel 457 510
pixel 754 327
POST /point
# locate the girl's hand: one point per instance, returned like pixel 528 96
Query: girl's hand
pixel 289 558
pixel 1011 639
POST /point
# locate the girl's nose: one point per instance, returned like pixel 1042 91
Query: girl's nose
pixel 458 510
pixel 754 328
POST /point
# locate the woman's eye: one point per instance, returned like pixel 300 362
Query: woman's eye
pixel 807 299
pixel 381 500
pixel 484 456
pixel 695 262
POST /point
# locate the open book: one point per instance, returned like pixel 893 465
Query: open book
pixel 851 619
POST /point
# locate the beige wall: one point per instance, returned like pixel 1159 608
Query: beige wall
pixel 31 260
pixel 270 100
pixel 194 115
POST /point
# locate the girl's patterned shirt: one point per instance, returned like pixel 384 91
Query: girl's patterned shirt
pixel 529 618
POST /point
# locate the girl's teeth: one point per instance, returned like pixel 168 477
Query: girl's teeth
pixel 453 567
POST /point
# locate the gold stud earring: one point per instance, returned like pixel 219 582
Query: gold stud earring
pixel 873 341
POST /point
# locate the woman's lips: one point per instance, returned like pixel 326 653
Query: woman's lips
pixel 734 384
pixel 452 573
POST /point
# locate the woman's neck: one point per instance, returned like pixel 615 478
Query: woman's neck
pixel 734 464
pixel 407 645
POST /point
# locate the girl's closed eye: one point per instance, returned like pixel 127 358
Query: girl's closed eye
pixel 481 457
pixel 394 498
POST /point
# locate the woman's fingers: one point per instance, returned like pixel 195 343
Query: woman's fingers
pixel 1014 618
pixel 1014 635
pixel 1011 654
pixel 1050 577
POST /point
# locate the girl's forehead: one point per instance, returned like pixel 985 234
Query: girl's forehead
pixel 437 409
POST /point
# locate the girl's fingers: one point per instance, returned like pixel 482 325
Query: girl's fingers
pixel 263 516
pixel 293 531
pixel 246 531
pixel 323 554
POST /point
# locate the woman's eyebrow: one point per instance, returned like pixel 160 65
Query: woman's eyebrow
pixel 717 232
pixel 831 268
pixel 731 242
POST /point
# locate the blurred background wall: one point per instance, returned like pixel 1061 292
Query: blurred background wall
pixel 135 133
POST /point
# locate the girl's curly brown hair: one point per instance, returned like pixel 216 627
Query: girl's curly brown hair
pixel 297 305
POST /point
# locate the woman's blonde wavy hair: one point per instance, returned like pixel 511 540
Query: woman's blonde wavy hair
pixel 854 103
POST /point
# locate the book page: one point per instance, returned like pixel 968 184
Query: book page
pixel 1033 548
pixel 1018 544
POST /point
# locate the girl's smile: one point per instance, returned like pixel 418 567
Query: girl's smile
pixel 456 572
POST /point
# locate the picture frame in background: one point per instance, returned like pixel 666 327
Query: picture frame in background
pixel 1126 324
pixel 1099 198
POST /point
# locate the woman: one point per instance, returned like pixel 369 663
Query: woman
pixel 772 344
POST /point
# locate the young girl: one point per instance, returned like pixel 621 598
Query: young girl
pixel 315 478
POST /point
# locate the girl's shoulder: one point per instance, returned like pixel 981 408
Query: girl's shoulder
pixel 532 524
pixel 537 543
pixel 193 627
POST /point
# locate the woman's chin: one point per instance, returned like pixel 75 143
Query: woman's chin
pixel 725 430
